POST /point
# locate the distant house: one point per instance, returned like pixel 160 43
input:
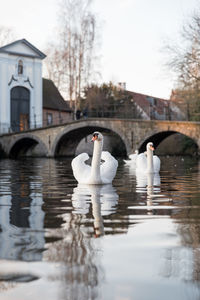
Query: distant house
pixel 55 109
pixel 151 107
pixel 20 86
pixel 27 100
pixel 154 108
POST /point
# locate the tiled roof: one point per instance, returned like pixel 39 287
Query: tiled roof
pixel 52 98
pixel 145 102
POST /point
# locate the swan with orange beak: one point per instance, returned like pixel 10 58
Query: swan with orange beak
pixel 148 163
pixel 99 172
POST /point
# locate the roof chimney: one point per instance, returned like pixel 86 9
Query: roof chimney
pixel 122 85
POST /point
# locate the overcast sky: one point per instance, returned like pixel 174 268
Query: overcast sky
pixel 132 35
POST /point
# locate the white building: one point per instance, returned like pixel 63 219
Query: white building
pixel 20 86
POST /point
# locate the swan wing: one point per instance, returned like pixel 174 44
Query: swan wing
pixel 141 162
pixel 108 168
pixel 133 156
pixel 128 162
pixel 132 160
pixel 80 169
pixel 156 163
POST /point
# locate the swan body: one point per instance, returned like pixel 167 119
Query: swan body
pixel 132 159
pixel 97 173
pixel 147 162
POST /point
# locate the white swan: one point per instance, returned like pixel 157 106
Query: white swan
pixel 132 159
pixel 97 173
pixel 147 162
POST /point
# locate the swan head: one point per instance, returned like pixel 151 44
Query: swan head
pixel 97 136
pixel 150 146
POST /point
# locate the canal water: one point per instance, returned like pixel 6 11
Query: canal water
pixel 129 240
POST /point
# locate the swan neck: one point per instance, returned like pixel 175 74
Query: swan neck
pixel 96 159
pixel 150 168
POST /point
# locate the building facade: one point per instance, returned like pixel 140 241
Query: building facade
pixel 21 98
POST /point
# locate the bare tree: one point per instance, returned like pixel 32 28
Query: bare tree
pixel 6 35
pixel 54 65
pixel 71 59
pixel 184 61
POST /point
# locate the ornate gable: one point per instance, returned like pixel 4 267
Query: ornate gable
pixel 22 48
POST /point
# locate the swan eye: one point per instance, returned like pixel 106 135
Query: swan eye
pixel 95 136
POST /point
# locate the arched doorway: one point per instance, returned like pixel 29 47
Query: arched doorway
pixel 20 108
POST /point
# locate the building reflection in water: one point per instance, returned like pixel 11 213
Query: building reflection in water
pixel 21 220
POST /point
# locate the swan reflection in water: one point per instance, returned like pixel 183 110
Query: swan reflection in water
pixel 103 198
pixel 149 183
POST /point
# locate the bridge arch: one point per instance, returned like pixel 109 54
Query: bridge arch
pixel 2 152
pixel 158 137
pixel 27 145
pixel 133 134
pixel 67 141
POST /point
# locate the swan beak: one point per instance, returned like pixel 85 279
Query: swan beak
pixel 152 148
pixel 94 138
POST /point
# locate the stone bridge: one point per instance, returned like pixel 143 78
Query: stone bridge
pixel 62 140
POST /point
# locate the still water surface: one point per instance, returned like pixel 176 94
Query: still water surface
pixel 128 240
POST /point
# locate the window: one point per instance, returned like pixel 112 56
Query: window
pixel 49 119
pixel 20 67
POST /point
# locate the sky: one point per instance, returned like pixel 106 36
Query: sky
pixel 132 35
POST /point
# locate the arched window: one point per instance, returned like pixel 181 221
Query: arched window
pixel 20 67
